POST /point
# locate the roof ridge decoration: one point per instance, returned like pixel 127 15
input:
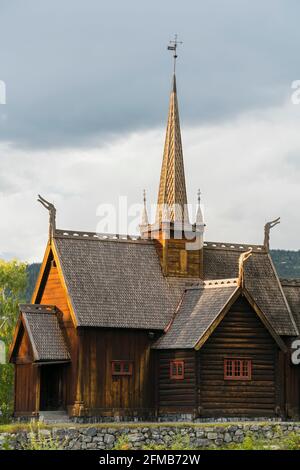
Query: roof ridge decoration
pixel 268 227
pixel 85 235
pixel 213 283
pixel 37 308
pixel 242 260
pixel 290 282
pixel 235 246
pixel 52 215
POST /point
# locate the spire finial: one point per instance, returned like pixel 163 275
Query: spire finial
pixel 199 196
pixel 145 220
pixel 199 215
pixel 173 47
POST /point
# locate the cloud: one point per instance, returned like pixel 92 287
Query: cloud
pixel 77 72
pixel 247 168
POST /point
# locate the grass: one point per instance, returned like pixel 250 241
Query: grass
pixel 19 427
pixel 37 439
pixel 289 442
pixel 11 427
pixel 15 427
pixel 179 442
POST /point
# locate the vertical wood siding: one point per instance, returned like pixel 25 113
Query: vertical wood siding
pixel 105 393
pixel 26 388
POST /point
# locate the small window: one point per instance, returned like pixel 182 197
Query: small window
pixel 237 369
pixel 176 370
pixel 121 367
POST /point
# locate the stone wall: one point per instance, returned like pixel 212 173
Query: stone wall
pixel 137 436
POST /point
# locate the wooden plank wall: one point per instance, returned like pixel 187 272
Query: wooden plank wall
pixel 240 334
pixel 26 388
pixel 104 393
pixel 292 378
pixel 26 377
pixel 170 253
pixel 176 395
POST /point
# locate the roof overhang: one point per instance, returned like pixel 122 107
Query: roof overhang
pixel 62 354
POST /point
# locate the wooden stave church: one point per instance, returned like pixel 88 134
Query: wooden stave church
pixel 146 327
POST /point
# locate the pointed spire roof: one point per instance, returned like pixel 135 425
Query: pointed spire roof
pixel 145 220
pixel 199 215
pixel 172 196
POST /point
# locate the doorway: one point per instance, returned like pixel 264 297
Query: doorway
pixel 52 390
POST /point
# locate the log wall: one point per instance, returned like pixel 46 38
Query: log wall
pixel 240 334
pixel 176 395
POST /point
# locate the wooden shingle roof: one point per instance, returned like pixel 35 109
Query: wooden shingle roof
pixel 291 288
pixel 261 281
pixel 118 282
pixel 199 308
pixel 44 332
pixel 115 284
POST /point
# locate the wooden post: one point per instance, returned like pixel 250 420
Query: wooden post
pixel 37 389
pixel 78 409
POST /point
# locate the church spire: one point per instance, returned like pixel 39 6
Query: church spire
pixel 172 198
pixel 145 220
pixel 199 215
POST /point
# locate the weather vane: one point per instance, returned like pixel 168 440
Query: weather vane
pixel 173 47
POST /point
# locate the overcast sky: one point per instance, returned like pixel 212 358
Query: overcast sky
pixel 87 90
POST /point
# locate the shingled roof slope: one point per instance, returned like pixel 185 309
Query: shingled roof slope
pixel 45 334
pixel 119 283
pixel 198 310
pixel 291 288
pixel 115 283
pixel 260 280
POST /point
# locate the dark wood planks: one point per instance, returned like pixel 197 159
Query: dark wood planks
pixel 176 395
pixel 116 394
pixel 240 334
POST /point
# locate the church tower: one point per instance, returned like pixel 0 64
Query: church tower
pixel 179 243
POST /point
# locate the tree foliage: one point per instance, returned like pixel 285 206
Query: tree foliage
pixel 13 281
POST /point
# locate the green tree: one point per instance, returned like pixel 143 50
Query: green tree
pixel 13 281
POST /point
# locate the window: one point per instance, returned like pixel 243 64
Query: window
pixel 176 370
pixel 237 369
pixel 121 367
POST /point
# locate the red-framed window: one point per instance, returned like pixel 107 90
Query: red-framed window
pixel 237 369
pixel 177 370
pixel 121 367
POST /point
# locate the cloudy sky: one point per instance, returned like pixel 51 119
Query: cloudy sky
pixel 87 89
